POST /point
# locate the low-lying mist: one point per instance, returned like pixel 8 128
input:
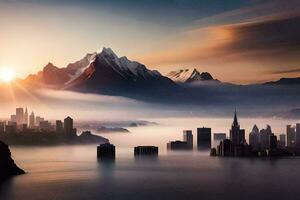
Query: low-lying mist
pixel 250 101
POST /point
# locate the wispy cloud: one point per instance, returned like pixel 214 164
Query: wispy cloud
pixel 290 71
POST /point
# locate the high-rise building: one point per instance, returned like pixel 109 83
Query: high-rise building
pixel 2 127
pixel 265 137
pixel 188 138
pixel 237 135
pixel 31 120
pixel 290 133
pixel 11 127
pixel 13 118
pixel 68 127
pixel 203 138
pixel 106 151
pixel 282 141
pixel 297 135
pixel 272 142
pixel 20 115
pixel 59 126
pixel 217 138
pixel 225 148
pixel 254 138
pixel 25 119
pixel 38 119
pixel 45 126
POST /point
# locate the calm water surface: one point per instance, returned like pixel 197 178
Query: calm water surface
pixel 73 172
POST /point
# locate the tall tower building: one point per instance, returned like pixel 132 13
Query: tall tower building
pixel 203 138
pixel 235 131
pixel 20 115
pixel 26 117
pixel 31 120
pixel 188 138
pixel 68 127
pixel 297 135
pixel 290 133
pixel 2 127
pixel 59 126
pixel 254 139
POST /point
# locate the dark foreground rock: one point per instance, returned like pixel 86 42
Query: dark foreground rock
pixel 8 168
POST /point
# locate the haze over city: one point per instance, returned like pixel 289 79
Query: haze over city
pixel 131 99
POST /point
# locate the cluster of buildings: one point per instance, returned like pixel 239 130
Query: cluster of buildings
pixel 107 151
pixel 203 140
pixel 21 122
pixel 261 142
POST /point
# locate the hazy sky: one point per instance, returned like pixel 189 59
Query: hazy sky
pixel 240 41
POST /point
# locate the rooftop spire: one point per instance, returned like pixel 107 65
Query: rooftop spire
pixel 235 120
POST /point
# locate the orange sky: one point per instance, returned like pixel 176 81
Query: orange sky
pixel 247 44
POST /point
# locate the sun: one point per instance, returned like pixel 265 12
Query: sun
pixel 6 74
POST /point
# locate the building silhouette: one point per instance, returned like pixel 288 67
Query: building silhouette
pixel 282 141
pixel 106 151
pixel 2 127
pixel 178 145
pixel 69 130
pixel 297 135
pixel 254 138
pixel 291 135
pixel 13 118
pixel 188 138
pixel 25 119
pixel 217 138
pixel 203 138
pixel 19 116
pixel 237 135
pixel 31 120
pixel 146 150
pixel 59 128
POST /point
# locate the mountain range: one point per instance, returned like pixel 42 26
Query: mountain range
pixel 106 73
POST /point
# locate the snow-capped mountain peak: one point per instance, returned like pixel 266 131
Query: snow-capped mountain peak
pixel 190 75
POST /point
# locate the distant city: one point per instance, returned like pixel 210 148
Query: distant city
pixel 26 129
pixel 21 121
pixel 262 142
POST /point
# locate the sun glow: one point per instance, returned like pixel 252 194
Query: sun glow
pixel 6 74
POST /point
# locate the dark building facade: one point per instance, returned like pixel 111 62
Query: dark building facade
pixel 177 145
pixel 188 138
pixel 106 151
pixel 69 130
pixel 203 138
pixel 146 150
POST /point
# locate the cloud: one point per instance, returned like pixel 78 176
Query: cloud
pixel 297 70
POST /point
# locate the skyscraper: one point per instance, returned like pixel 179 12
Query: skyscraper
pixel 297 135
pixel 272 142
pixel 59 126
pixel 282 141
pixel 290 133
pixel 217 138
pixel 25 119
pixel 188 138
pixel 237 135
pixel 13 118
pixel 38 119
pixel 2 127
pixel 31 120
pixel 203 138
pixel 254 140
pixel 68 127
pixel 265 137
pixel 20 115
